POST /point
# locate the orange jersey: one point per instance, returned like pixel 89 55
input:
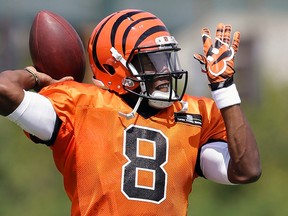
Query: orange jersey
pixel 115 166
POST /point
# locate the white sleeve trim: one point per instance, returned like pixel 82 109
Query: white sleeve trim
pixel 214 160
pixel 35 115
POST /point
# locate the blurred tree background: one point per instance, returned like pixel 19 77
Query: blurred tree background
pixel 30 184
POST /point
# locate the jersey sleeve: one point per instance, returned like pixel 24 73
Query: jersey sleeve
pixel 213 127
pixel 63 98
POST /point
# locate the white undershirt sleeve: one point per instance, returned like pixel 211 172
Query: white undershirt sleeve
pixel 214 160
pixel 35 115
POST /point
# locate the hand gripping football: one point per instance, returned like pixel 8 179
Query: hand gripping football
pixel 55 47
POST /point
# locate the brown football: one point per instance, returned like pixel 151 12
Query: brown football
pixel 55 47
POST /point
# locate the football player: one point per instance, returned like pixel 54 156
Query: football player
pixel 133 143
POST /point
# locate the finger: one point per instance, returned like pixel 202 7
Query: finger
pixel 227 34
pixel 207 42
pixel 67 78
pixel 236 41
pixel 203 61
pixel 200 58
pixel 205 31
pixel 220 31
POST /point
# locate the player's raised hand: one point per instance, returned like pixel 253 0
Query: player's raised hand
pixel 218 60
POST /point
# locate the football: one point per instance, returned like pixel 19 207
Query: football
pixel 55 47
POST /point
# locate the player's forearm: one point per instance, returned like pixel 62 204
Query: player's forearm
pixel 12 84
pixel 244 166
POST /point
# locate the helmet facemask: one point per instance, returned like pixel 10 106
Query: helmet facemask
pixel 158 71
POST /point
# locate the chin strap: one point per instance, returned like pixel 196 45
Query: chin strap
pixel 132 114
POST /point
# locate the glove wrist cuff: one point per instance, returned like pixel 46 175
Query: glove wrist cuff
pixel 225 97
pixel 218 85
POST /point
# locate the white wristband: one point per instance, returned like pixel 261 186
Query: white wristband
pixel 225 97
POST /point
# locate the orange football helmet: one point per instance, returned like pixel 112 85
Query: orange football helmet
pixel 117 47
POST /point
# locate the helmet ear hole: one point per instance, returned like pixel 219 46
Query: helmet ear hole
pixel 109 68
